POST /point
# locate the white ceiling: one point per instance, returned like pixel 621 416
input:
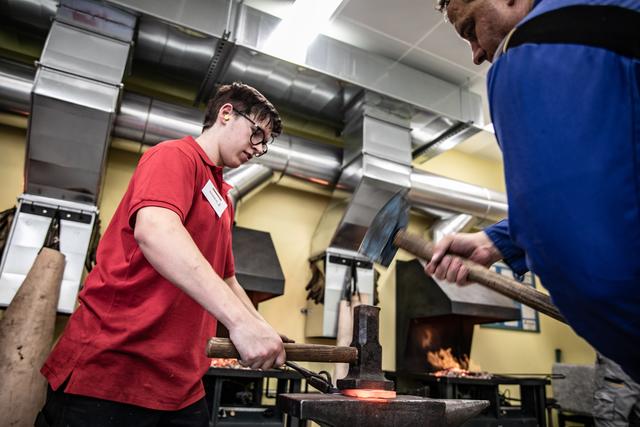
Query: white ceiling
pixel 411 32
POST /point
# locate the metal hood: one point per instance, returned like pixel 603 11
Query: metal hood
pixel 434 316
pixel 429 297
pixel 257 264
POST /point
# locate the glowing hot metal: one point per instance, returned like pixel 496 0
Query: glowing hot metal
pixel 369 394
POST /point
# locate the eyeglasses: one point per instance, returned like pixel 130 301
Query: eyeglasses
pixel 258 135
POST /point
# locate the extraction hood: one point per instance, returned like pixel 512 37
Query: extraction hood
pixel 433 315
pixel 257 265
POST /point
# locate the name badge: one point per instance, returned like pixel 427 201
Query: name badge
pixel 216 201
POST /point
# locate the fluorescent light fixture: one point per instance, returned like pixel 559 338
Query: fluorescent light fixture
pixel 299 27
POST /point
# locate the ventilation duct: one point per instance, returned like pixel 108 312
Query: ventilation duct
pixel 173 50
pixel 376 166
pixel 246 181
pixel 191 42
pixel 349 65
pixel 16 82
pixel 75 97
pixel 36 14
pixel 332 74
pixel 450 225
pixel 73 101
pixel 378 152
pixel 295 162
pixel 150 121
pixel 429 190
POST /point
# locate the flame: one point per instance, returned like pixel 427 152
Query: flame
pixel 444 359
pixel 369 393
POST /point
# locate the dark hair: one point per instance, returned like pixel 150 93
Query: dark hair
pixel 245 99
pixel 441 5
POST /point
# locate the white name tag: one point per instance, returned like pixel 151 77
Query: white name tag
pixel 215 199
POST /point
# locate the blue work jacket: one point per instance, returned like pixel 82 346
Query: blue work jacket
pixel 567 117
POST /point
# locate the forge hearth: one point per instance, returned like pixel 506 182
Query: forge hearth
pixel 434 332
pixel 434 316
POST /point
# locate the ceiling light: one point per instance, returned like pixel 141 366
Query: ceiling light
pixel 299 27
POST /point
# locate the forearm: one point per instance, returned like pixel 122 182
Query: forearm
pixel 237 289
pixel 169 248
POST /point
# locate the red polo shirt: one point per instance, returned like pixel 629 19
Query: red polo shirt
pixel 135 337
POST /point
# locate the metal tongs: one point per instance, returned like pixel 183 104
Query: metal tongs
pixel 320 381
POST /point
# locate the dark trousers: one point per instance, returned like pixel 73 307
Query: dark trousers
pixel 70 410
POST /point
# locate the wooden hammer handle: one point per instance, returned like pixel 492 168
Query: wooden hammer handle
pixel 482 275
pixel 224 348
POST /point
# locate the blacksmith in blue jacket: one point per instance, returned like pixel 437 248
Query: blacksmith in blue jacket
pixel 564 93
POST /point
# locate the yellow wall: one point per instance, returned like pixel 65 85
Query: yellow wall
pixel 291 217
pixel 12 155
pixel 463 167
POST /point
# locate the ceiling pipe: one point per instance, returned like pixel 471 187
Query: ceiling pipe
pixel 37 14
pixel 453 224
pixel 295 162
pixel 187 44
pixel 247 180
pixel 175 51
pixel 429 190
pixel 150 121
pixel 16 82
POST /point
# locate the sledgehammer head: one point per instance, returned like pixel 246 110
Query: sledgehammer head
pixel 378 242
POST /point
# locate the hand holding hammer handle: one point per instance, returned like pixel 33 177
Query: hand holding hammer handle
pixel 482 275
pixel 224 348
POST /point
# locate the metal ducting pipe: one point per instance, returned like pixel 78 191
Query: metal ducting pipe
pixel 34 13
pixel 303 164
pixel 173 50
pixel 16 82
pixel 452 224
pixel 247 180
pixel 297 163
pixel 150 121
pixel 430 190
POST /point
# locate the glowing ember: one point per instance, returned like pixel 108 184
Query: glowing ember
pixel 226 363
pixel 369 394
pixel 462 373
pixel 443 359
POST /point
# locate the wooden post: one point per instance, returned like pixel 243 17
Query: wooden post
pixel 26 334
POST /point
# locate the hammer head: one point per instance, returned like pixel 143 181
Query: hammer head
pixel 378 242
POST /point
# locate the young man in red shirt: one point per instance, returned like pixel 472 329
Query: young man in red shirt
pixel 133 352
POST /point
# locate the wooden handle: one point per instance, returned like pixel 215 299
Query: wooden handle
pixel 482 275
pixel 224 348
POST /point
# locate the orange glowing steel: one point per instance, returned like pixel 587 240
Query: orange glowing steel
pixel 370 394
